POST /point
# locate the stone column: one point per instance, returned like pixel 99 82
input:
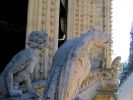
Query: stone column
pixel 98 14
pixel 70 19
pixel 79 20
pixel 84 14
pixel 108 30
pixel 43 15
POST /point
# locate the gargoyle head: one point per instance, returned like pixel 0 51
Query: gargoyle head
pixel 100 38
pixel 37 39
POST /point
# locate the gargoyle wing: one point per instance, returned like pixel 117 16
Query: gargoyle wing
pixel 70 67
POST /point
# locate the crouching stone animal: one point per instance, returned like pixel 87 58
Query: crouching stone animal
pixel 20 67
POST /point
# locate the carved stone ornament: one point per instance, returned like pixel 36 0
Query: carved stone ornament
pixel 113 72
pixel 18 70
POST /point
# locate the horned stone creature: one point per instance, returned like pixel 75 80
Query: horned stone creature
pixel 20 67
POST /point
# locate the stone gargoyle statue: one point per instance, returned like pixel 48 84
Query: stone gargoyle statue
pixel 21 66
pixel 71 65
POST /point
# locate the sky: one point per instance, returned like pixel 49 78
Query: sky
pixel 122 18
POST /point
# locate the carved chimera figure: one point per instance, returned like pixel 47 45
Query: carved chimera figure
pixel 110 75
pixel 20 67
pixel 113 72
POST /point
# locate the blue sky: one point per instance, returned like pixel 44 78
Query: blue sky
pixel 122 18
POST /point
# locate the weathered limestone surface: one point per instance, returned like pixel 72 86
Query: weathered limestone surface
pixel 71 65
pixel 22 65
pixel 84 14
